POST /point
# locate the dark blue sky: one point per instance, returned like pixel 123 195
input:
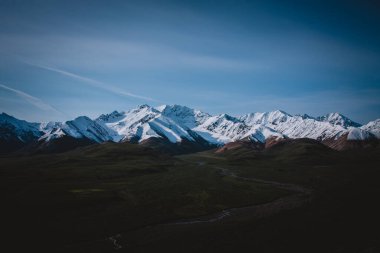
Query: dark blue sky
pixel 61 59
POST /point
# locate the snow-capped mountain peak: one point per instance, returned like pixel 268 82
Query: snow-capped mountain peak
pixel 81 127
pixel 10 127
pixel 373 127
pixel 185 116
pixel 305 116
pixel 176 123
pixel 113 116
pixel 160 108
pixel 130 125
pixel 359 134
pixel 18 124
pixel 338 119
pixel 263 118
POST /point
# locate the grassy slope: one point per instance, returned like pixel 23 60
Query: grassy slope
pixel 342 217
pixel 77 199
pixel 94 192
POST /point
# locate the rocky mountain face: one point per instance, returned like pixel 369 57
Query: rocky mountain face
pixel 373 127
pixel 179 125
pixel 338 120
pixel 15 133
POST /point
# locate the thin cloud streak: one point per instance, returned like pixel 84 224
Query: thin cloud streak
pixel 92 52
pixel 94 83
pixel 31 99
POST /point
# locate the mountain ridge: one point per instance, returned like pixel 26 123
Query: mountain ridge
pixel 179 124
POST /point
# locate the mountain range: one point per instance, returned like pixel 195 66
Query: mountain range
pixel 179 126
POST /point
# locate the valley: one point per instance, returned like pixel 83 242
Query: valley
pixel 130 198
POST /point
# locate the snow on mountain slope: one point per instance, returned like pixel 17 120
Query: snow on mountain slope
pixel 10 127
pixel 338 120
pixel 373 127
pixel 51 131
pixel 273 118
pixel 295 126
pixel 170 129
pixel 221 129
pixel 48 126
pixel 305 116
pixel 359 134
pixel 112 117
pixel 130 125
pixel 224 128
pixel 144 122
pixel 85 127
pixel 81 127
pixel 178 123
pixel 262 133
pixel 184 116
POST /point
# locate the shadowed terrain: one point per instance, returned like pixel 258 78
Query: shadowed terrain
pixel 297 196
